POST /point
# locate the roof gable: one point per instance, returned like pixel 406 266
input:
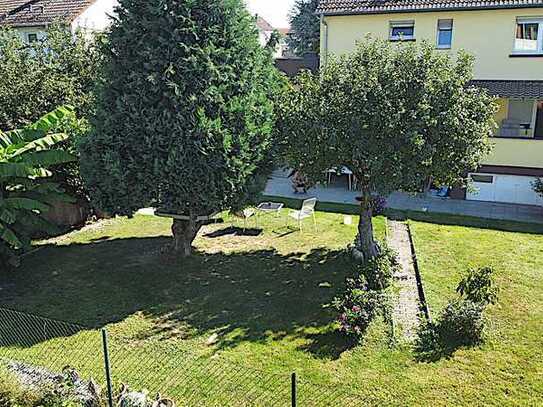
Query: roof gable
pixel 39 12
pixel 262 24
pixel 338 7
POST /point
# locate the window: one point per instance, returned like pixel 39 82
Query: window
pixel 36 9
pixel 444 33
pixel 484 179
pixel 529 36
pixel 402 30
pixel 521 118
pixel 32 37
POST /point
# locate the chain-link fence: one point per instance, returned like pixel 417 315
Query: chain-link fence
pixel 43 351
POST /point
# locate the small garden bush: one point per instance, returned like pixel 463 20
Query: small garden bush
pixel 478 286
pixel 462 321
pixel 366 296
pixel 378 271
pixel 358 307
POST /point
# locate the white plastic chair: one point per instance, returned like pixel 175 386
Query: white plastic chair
pixel 308 210
pixel 245 214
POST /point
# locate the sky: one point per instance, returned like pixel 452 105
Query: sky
pixel 274 11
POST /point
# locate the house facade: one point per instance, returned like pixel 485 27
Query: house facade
pixel 506 38
pixel 31 18
pixel 265 33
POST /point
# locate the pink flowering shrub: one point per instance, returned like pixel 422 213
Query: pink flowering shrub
pixel 357 308
pixel 378 205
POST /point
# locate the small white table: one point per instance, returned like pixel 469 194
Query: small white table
pixel 269 208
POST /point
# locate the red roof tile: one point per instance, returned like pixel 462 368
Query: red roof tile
pixel 39 12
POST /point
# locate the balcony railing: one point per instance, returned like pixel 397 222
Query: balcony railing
pixel 516 152
pixel 515 129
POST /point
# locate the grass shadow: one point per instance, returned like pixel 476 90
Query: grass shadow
pixel 328 345
pixel 234 231
pixel 250 296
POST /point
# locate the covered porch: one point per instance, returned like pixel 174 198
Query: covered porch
pixel 279 185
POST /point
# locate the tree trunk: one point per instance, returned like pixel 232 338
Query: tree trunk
pixel 366 243
pixel 184 232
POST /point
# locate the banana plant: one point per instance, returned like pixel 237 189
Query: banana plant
pixel 25 192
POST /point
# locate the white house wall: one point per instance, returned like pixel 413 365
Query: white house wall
pixel 96 17
pixel 24 31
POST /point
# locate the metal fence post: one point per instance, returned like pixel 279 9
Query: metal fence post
pixel 293 389
pixel 108 369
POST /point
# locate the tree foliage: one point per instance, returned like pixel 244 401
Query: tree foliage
pixel 185 117
pixel 304 34
pixel 35 78
pixel 538 186
pixel 25 191
pixel 395 115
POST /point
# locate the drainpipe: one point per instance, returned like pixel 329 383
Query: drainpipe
pixel 324 56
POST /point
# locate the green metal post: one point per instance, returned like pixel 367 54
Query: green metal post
pixel 108 369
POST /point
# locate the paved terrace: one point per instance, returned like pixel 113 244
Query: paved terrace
pixel 337 192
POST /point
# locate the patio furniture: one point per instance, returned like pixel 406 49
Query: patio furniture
pixel 273 208
pixel 308 210
pixel 341 171
pixel 244 214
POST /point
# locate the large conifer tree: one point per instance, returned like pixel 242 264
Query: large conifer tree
pixel 185 116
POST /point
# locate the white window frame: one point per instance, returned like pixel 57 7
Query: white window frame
pixel 445 46
pixel 529 20
pixel 478 174
pixel 400 24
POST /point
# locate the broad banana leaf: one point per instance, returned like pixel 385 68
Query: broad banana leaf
pixel 43 143
pixel 45 158
pixel 25 203
pixel 6 215
pixel 48 198
pixel 31 185
pixel 37 130
pixel 9 237
pixel 50 120
pixel 20 170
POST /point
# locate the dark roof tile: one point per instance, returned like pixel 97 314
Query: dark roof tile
pixel 512 89
pixel 332 7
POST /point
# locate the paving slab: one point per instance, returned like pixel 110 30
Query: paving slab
pixel 279 185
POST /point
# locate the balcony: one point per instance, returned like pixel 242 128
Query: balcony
pixel 516 152
pixel 515 129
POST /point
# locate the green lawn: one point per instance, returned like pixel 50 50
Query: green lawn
pixel 264 295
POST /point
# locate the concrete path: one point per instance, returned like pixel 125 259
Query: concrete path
pixel 407 308
pixel 279 185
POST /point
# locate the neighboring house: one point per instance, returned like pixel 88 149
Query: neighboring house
pixel 284 49
pixel 31 18
pixel 506 37
pixel 265 32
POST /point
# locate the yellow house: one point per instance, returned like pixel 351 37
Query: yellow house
pixel 506 37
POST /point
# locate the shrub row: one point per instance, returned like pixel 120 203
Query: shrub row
pixel 462 321
pixel 366 295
